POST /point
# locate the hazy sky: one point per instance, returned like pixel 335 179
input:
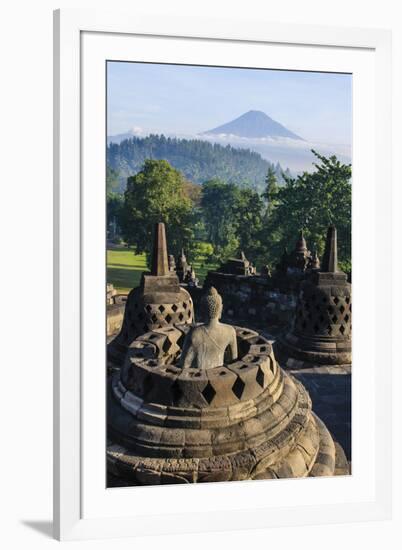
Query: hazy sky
pixel 187 100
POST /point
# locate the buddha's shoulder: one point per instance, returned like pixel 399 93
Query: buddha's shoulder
pixel 196 332
pixel 227 329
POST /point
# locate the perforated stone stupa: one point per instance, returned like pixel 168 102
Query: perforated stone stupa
pixel 299 260
pixel 321 330
pixel 175 420
pixel 158 302
pixel 237 266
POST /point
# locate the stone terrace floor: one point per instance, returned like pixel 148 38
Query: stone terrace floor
pixel 330 393
pixel 330 389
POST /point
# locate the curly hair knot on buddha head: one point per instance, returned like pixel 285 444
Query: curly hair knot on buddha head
pixel 212 303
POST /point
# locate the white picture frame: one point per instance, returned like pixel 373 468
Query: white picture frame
pixel 83 507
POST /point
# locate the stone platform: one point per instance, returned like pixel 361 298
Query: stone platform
pixel 330 389
pixel 244 420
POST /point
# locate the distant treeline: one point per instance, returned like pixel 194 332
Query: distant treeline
pixel 217 220
pixel 197 160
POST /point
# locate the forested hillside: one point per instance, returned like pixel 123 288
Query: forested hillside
pixel 217 220
pixel 198 160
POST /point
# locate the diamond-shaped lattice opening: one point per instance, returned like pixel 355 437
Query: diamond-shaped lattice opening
pixel 181 316
pixel 180 341
pixel 334 319
pixel 185 305
pixel 161 308
pixel 174 308
pixel 146 385
pixel 154 318
pixel 260 377
pixel 168 318
pixel 209 393
pixel 238 388
pixel 148 308
pixel 342 329
pixel 347 318
pixel 347 300
pixel 341 309
pixel 176 392
pixel 336 300
pixel 167 344
pixel 189 313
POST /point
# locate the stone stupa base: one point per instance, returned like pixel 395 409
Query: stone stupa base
pixel 127 469
pixel 301 353
pixel 241 421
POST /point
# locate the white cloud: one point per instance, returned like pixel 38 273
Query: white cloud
pixel 137 131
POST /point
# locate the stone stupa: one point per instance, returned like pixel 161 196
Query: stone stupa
pixel 322 326
pixel 210 403
pixel 158 302
pixel 298 260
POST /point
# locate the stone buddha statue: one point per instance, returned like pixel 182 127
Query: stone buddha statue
pixel 205 345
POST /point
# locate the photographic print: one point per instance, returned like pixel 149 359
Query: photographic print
pixel 229 270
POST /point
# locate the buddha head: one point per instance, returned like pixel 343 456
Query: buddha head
pixel 212 302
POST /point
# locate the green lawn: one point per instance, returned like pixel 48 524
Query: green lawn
pixel 201 268
pixel 124 268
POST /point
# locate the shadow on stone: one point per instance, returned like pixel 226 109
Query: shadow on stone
pixel 331 395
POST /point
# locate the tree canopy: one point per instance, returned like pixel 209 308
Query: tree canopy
pixel 311 202
pixel 225 218
pixel 157 194
pixel 197 159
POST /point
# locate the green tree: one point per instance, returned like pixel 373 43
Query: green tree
pixel 112 180
pixel 271 191
pixel 248 215
pixel 157 194
pixel 114 212
pixel 312 201
pixel 198 160
pixel 232 219
pixel 218 204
